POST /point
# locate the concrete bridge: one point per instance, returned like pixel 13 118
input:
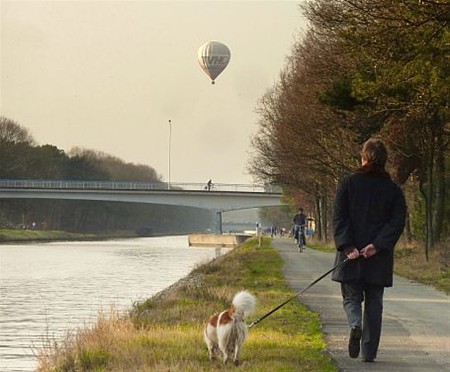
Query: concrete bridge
pixel 220 197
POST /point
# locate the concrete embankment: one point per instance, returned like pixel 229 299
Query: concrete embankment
pixel 217 240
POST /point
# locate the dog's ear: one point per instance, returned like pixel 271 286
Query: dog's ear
pixel 213 320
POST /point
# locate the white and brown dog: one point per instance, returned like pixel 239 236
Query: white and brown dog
pixel 227 330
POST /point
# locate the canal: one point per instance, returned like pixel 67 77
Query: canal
pixel 49 289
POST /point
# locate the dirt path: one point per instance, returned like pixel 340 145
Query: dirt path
pixel 416 318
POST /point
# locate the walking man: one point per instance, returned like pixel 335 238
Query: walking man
pixel 369 217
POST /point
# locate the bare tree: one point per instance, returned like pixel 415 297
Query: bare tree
pixel 12 132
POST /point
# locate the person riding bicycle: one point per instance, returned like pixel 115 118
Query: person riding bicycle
pixel 299 226
pixel 209 185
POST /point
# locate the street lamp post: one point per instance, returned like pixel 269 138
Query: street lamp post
pixel 170 138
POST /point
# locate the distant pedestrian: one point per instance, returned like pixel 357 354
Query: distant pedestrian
pixel 369 217
pixel 273 230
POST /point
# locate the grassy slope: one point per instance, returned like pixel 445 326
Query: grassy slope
pixel 411 263
pixel 166 332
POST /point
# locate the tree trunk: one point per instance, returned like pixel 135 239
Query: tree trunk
pixel 429 202
pixel 408 233
pixel 439 201
pixel 324 223
pixel 318 217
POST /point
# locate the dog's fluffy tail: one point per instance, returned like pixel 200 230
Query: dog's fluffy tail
pixel 244 303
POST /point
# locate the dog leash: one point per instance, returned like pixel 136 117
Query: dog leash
pixel 297 294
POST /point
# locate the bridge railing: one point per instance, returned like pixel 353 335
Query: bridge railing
pixel 134 185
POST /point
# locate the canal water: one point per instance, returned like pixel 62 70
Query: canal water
pixel 48 289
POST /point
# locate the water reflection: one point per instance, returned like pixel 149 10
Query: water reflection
pixel 48 289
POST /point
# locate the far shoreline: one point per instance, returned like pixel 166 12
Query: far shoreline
pixel 18 236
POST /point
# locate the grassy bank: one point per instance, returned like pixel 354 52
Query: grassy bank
pixel 20 235
pixel 410 262
pixel 165 333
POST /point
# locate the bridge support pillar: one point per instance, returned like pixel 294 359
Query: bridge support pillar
pixel 219 221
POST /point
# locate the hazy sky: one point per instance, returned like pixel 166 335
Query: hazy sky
pixel 108 76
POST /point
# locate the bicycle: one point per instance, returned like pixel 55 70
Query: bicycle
pixel 301 240
pixel 209 186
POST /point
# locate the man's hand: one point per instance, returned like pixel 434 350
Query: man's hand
pixel 352 253
pixel 368 251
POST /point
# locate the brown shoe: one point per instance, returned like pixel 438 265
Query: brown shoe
pixel 354 343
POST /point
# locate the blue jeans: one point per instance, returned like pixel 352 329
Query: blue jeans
pixel 354 294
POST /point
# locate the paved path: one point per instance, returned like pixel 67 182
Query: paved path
pixel 416 318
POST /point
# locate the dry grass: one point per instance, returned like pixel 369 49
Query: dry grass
pixel 410 262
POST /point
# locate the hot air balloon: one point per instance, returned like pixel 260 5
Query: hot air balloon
pixel 213 58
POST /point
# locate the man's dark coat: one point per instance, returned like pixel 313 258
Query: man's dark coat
pixel 369 208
